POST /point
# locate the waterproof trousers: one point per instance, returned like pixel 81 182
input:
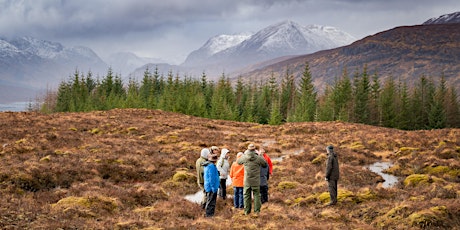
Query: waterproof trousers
pixel 264 194
pixel 332 187
pixel 255 191
pixel 223 188
pixel 210 204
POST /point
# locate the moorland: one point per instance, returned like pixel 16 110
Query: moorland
pixel 133 168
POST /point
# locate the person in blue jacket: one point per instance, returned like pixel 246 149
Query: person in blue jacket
pixel 211 184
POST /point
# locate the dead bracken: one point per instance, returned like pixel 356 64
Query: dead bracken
pixel 132 168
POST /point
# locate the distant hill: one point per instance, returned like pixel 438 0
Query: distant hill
pixel 404 53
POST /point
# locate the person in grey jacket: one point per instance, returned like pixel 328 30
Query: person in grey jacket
pixel 332 173
pixel 264 176
pixel 252 163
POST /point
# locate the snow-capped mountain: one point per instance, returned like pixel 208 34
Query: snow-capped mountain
pixel 214 45
pixel 282 39
pixel 31 62
pixel 444 19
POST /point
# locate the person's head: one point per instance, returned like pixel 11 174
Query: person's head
pixel 251 147
pixel 224 153
pixel 330 149
pixel 204 153
pixel 215 150
pixel 261 151
pixel 239 154
pixel 213 158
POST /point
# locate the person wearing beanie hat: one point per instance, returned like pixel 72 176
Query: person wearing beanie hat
pixel 211 184
pixel 200 172
pixel 332 173
pixel 252 163
pixel 223 166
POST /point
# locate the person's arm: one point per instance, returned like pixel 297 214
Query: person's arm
pixel 329 167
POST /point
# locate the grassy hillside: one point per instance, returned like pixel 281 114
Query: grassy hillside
pixel 132 168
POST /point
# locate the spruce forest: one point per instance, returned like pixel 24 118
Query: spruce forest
pixel 359 98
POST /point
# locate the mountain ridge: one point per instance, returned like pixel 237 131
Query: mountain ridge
pixel 405 52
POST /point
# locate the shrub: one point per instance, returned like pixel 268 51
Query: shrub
pixel 283 185
pixel 433 217
pixel 417 179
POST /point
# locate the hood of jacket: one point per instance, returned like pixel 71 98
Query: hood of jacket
pixel 223 153
pixel 204 153
pixel 252 155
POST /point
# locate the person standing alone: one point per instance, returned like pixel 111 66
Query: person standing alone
pixel 332 174
pixel 252 163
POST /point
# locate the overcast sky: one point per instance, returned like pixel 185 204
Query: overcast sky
pixel 171 29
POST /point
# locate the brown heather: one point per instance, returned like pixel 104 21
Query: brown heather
pixel 132 168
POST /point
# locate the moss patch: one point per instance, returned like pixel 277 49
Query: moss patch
pixel 283 185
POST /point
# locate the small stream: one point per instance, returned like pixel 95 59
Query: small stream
pixel 196 197
pixel 379 167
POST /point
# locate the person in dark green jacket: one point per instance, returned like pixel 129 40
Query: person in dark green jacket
pixel 332 173
pixel 252 163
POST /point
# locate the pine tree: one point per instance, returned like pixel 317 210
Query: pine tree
pixel 403 120
pixel 374 105
pixel 387 104
pixel 437 114
pixel 452 109
pixel 287 95
pixel 361 99
pixel 341 99
pixel 305 109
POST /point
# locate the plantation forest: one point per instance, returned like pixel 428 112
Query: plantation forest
pixel 361 98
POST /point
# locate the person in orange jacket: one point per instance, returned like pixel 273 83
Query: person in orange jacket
pixel 237 176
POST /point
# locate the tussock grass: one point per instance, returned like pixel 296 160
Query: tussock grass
pixel 131 169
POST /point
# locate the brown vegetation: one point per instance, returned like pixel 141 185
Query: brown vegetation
pixel 130 169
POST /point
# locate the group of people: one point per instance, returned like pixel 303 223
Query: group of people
pixel 249 173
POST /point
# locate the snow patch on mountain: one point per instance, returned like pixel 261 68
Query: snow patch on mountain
pixel 281 39
pixel 444 19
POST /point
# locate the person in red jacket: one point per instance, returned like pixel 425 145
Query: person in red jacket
pixel 237 176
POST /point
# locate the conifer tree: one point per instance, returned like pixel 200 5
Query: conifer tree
pixel 342 98
pixel 133 98
pixel 404 112
pixel 452 109
pixel 222 100
pixel 146 88
pixel 388 103
pixel 287 95
pixel 374 105
pixel 241 96
pixel 263 104
pixel 361 97
pixel 306 98
pixel 327 105
pixel 437 114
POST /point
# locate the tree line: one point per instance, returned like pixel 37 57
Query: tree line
pixel 361 98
